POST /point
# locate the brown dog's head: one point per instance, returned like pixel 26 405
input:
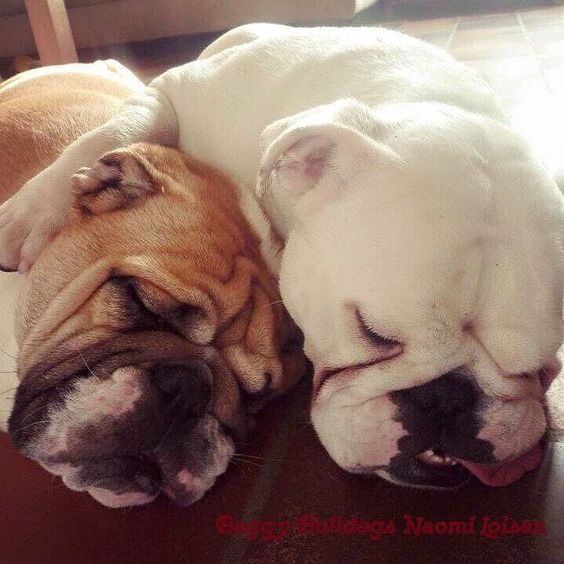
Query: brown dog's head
pixel 149 330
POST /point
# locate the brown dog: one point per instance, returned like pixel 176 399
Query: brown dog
pixel 150 328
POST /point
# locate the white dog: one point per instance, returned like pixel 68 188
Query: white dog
pixel 417 238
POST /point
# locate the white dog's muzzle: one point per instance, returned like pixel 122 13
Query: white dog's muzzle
pixel 434 435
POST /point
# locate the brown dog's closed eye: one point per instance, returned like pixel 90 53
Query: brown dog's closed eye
pixel 189 320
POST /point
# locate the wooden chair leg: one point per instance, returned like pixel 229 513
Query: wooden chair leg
pixel 51 31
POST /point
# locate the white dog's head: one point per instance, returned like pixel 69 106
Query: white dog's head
pixel 424 264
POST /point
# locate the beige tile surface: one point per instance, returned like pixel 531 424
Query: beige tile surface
pixel 436 25
pixel 489 43
pixel 490 21
pixel 440 39
pixel 547 40
pixel 542 16
pixel 553 69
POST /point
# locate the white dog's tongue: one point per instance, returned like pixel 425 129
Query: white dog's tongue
pixel 508 472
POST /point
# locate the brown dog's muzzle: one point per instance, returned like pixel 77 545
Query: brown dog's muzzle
pixel 157 354
pixel 126 423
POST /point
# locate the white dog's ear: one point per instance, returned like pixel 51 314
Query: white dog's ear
pixel 304 155
pixel 299 150
pixel 320 148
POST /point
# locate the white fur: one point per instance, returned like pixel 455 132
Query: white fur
pixel 93 397
pixel 114 501
pixel 399 189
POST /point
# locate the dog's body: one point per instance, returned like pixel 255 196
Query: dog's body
pixel 418 239
pixel 142 349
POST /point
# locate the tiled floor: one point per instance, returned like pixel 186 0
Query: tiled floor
pixel 284 472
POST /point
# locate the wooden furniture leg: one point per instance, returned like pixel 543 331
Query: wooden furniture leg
pixel 51 31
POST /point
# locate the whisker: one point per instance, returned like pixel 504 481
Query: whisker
pixel 242 456
pixel 86 364
pixel 250 463
pixel 29 425
pixel 37 409
pixel 234 462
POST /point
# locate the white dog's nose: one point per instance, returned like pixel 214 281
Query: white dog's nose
pixel 451 393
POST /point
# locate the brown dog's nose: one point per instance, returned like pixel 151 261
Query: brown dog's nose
pixel 449 394
pixel 186 389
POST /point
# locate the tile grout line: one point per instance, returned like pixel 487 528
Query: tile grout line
pixel 454 30
pixel 262 490
pixel 532 52
pixel 525 33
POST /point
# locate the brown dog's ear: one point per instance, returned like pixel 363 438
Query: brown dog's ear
pixel 118 180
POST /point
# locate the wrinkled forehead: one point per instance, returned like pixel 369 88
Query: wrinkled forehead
pixel 91 250
pixel 439 249
pixel 371 245
pixel 441 207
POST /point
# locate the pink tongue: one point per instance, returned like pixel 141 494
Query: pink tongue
pixel 508 472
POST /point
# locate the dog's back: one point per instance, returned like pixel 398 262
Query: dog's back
pixel 42 111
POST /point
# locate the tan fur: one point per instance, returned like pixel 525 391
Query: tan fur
pixel 39 118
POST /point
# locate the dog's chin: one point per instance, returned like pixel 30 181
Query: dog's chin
pixel 426 470
pixel 418 474
pixel 127 481
pixel 434 470
pixel 371 438
pixel 129 434
pixel 115 501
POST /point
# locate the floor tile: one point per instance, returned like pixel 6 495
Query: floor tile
pixel 81 530
pixel 45 522
pixel 548 40
pixel 436 25
pixel 542 16
pixel 392 24
pixel 487 21
pixel 489 43
pixel 553 68
pixel 440 39
pixel 321 489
